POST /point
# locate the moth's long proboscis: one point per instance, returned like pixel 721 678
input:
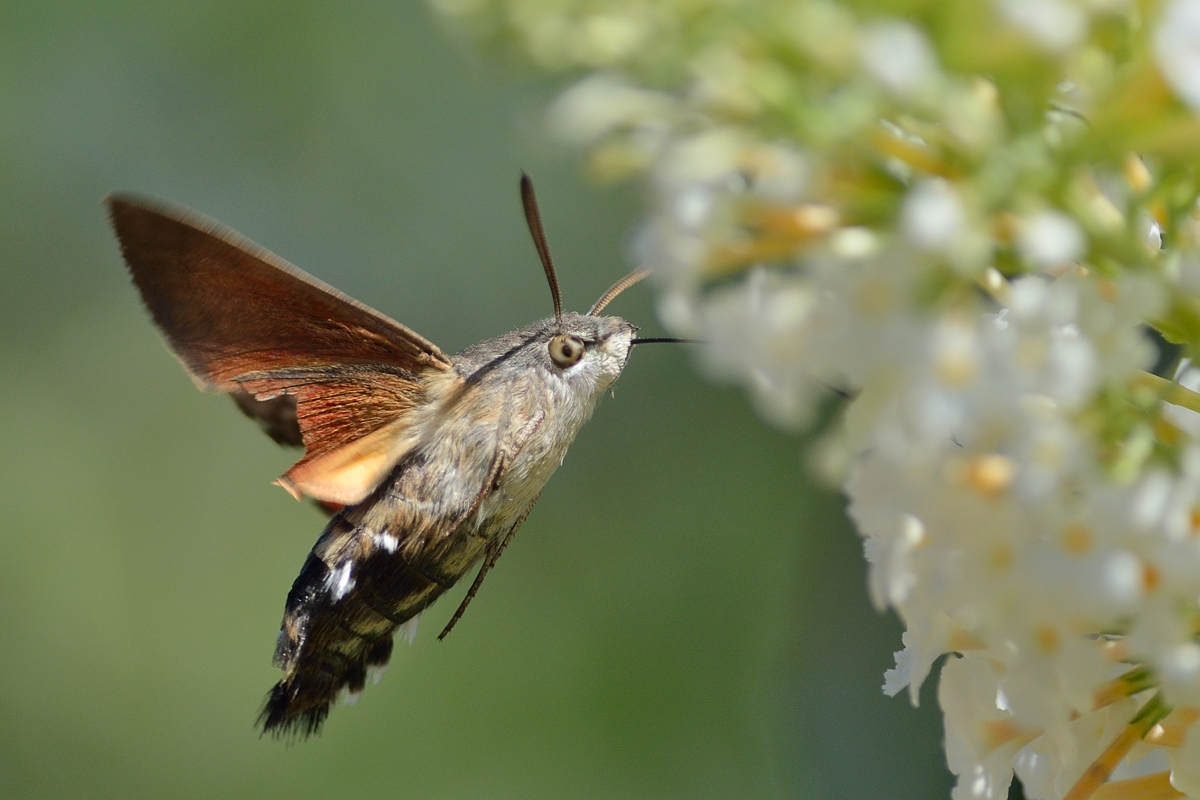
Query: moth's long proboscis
pixel 666 340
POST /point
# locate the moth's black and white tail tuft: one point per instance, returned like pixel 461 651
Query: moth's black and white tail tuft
pixel 281 719
pixel 353 594
pixel 329 644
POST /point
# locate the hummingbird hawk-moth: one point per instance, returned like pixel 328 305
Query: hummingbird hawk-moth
pixel 428 462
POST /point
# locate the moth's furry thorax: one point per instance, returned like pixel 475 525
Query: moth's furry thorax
pixel 539 403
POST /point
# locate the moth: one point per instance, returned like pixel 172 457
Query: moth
pixel 428 462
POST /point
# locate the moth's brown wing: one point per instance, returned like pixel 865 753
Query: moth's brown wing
pixel 276 416
pixel 356 422
pixel 229 307
pixel 245 321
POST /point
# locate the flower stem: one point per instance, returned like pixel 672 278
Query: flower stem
pixel 1099 771
pixel 1147 787
pixel 1168 391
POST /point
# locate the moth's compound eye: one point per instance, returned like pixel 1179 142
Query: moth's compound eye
pixel 566 350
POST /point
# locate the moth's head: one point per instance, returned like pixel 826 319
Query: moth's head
pixel 585 351
pixel 576 354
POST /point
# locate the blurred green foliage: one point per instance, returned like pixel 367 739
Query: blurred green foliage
pixel 683 615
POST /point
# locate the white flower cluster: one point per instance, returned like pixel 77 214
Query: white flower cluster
pixel 835 207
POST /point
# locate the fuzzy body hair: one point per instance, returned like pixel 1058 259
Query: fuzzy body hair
pixel 495 429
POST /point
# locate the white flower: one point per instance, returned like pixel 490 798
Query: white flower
pixel 1056 24
pixel 837 200
pixel 1185 765
pixel 769 315
pixel 899 57
pixel 602 103
pixel 1051 238
pixel 1177 46
pixel 933 215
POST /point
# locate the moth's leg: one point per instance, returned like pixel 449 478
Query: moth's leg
pixel 489 560
pixel 489 485
pixel 494 550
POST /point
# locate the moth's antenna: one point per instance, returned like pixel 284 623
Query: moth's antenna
pixel 534 219
pixel 629 280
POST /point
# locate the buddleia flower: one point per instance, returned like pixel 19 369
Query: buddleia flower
pixel 979 222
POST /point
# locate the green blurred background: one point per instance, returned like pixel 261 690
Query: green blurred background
pixel 683 616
